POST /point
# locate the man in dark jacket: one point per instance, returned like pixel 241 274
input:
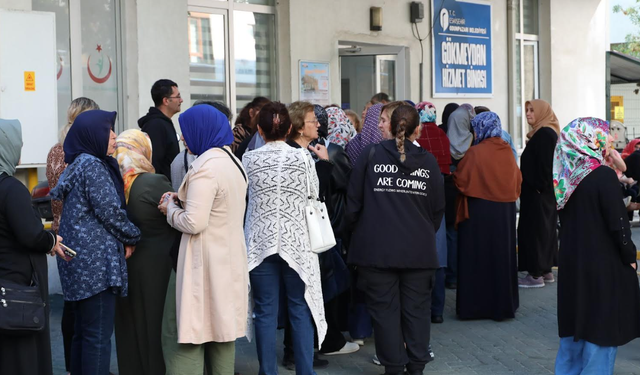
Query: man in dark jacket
pixel 158 125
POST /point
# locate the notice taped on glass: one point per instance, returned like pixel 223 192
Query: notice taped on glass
pixel 462 57
pixel 314 82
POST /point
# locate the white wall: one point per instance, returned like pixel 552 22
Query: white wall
pixel 319 26
pixel 15 4
pixel 579 39
pixel 156 43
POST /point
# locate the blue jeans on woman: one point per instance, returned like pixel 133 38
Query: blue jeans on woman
pixel 265 283
pixel 91 344
pixel 584 358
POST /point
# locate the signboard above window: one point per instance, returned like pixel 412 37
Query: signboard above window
pixel 462 58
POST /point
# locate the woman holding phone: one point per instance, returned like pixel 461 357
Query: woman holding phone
pixel 95 224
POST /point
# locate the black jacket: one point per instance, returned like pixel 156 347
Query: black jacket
pixel 164 140
pixel 394 208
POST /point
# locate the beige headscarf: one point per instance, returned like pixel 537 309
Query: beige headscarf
pixel 133 151
pixel 545 117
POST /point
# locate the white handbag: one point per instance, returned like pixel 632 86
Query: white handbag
pixel 321 235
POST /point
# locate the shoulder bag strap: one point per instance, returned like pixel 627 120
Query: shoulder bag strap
pixel 307 170
pixel 236 163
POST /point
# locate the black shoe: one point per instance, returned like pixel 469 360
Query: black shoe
pixel 288 362
pixel 451 285
pixel 437 319
pixel 319 363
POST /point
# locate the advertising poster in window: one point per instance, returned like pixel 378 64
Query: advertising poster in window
pixel 314 82
pixel 462 59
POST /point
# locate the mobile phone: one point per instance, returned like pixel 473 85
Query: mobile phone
pixel 68 251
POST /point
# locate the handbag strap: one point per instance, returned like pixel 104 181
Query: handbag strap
pixel 34 276
pixel 235 162
pixel 307 171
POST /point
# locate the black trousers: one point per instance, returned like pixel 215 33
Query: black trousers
pixel 399 301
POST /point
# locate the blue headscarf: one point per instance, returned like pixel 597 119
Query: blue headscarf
pixel 486 125
pixel 90 135
pixel 204 127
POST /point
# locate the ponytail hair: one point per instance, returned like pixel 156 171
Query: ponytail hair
pixel 404 120
pixel 274 121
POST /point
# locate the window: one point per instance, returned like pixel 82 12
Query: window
pixel 234 63
pixel 89 58
pixel 525 71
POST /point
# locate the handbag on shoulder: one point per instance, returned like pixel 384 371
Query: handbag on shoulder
pixel 321 235
pixel 22 309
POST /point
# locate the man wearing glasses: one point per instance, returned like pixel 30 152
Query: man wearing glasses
pixel 158 125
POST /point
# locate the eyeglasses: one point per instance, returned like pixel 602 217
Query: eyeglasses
pixel 174 97
pixel 311 122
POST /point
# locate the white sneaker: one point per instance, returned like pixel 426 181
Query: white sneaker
pixel 375 360
pixel 358 341
pixel 349 347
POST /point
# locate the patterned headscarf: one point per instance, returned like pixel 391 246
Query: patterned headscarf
pixel 133 152
pixel 341 130
pixel 369 134
pixel 427 112
pixel 580 150
pixel 10 145
pixel 323 120
pixel 486 125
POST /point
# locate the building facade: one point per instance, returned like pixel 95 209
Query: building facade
pixel 233 50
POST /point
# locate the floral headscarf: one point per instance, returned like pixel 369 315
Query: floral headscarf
pixel 341 130
pixel 133 152
pixel 486 125
pixel 427 112
pixel 369 134
pixel 580 150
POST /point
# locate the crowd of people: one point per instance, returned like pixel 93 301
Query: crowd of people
pixel 182 253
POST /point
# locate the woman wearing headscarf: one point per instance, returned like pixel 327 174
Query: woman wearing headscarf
pixel 370 133
pixel 279 253
pixel 460 139
pixel 434 140
pixel 94 223
pixel 54 169
pixel 23 245
pixel 138 321
pixel 489 182
pixel 360 326
pixel 448 110
pixel 208 306
pixel 598 294
pixel 395 206
pixel 537 237
pixel 633 145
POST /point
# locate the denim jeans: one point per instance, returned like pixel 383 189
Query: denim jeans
pixel 91 345
pixel 584 358
pixel 438 294
pixel 265 283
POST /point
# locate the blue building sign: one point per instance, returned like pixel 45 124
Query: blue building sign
pixel 462 62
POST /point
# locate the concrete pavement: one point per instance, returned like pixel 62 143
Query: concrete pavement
pixel 524 345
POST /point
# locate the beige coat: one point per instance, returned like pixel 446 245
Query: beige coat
pixel 212 282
